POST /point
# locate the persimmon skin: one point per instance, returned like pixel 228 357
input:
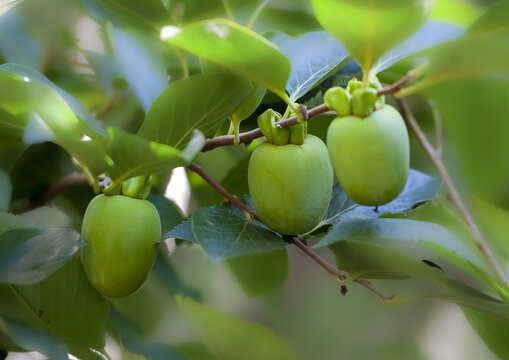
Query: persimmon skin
pixel 120 235
pixel 291 185
pixel 370 155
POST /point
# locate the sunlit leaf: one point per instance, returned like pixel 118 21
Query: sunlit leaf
pixel 234 47
pixel 369 28
pixel 19 95
pixel 457 12
pixel 229 338
pixel 88 123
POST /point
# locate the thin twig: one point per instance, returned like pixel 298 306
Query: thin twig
pixel 394 88
pixel 451 188
pixel 225 140
pixel 69 181
pixel 342 275
pixel 220 189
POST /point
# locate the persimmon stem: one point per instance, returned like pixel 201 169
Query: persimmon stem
pixel 456 199
pixel 296 240
pixel 225 140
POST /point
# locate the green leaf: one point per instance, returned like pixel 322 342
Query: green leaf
pixel 493 222
pixel 419 188
pixel 134 156
pixel 88 123
pixel 313 57
pixel 489 317
pixel 141 64
pixel 250 103
pixel 202 102
pixel 182 231
pixel 231 338
pixel 457 12
pixel 34 338
pixel 64 304
pixel 224 233
pixel 397 247
pixel 195 351
pixel 369 28
pixel 29 255
pixel 234 47
pixel 5 191
pixel 492 329
pixel 493 21
pixel 432 33
pixel 262 273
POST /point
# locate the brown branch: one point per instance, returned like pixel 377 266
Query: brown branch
pixel 220 189
pixel 341 275
pixel 394 88
pixel 69 181
pixel 225 140
pixel 451 188
pixel 296 240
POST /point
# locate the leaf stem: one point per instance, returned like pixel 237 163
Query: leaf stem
pixel 451 188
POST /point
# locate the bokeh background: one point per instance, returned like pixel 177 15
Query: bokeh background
pixel 67 41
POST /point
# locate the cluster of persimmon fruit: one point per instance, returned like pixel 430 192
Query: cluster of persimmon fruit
pixel 290 178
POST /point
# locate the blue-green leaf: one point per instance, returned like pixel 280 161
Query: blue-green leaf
pixel 313 57
pixel 29 255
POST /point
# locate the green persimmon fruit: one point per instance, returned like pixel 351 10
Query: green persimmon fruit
pixel 370 155
pixel 291 185
pixel 120 235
